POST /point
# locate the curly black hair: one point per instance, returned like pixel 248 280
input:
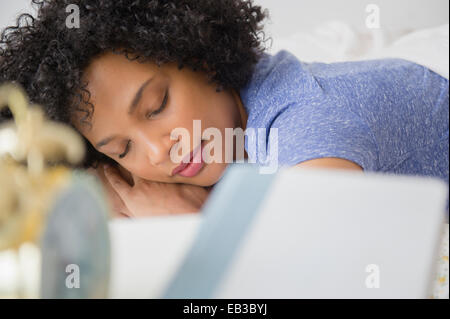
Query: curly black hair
pixel 223 38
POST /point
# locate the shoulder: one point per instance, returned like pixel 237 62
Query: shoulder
pixel 277 81
pixel 272 74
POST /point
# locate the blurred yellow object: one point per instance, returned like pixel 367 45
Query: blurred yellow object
pixel 38 139
pixel 27 190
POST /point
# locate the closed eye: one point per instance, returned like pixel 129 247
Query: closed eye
pixel 161 108
pixel 127 149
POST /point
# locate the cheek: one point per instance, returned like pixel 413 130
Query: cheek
pixel 218 112
pixel 198 100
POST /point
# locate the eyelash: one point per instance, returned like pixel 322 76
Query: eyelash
pixel 161 108
pixel 163 105
pixel 127 148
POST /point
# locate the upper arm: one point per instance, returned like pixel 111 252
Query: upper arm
pixel 330 162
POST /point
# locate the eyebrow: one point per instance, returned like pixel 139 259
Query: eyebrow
pixel 131 108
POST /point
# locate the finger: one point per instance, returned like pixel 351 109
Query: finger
pixel 136 179
pixel 116 204
pixel 117 182
pixel 120 215
pixel 126 175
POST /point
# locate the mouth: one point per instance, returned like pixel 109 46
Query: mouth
pixel 194 165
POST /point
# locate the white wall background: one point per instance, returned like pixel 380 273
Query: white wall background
pixel 9 9
pixel 290 15
pixel 287 16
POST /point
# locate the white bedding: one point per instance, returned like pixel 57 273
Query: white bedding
pixel 338 41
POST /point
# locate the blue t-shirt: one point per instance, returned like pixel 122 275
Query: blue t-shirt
pixel 387 115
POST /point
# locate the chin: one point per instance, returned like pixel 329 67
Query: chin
pixel 211 174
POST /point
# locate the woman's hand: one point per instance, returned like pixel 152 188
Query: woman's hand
pixel 148 198
pixel 116 204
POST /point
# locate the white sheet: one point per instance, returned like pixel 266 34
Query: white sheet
pixel 338 41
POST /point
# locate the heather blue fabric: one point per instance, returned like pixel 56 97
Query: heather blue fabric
pixel 387 115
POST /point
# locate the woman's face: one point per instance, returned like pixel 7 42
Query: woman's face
pixel 136 107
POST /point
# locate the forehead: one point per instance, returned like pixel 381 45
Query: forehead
pixel 112 82
pixel 112 76
pixel 110 64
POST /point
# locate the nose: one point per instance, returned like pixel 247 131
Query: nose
pixel 156 148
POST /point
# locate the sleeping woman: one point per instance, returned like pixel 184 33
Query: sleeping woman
pixel 132 71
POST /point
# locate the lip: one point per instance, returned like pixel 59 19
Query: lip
pixel 191 169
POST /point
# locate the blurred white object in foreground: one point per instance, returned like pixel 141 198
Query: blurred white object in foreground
pixel 146 252
pixel 311 236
